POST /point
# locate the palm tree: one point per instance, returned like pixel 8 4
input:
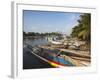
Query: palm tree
pixel 85 31
pixel 82 30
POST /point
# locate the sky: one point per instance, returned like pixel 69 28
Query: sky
pixel 49 21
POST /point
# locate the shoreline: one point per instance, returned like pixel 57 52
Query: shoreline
pixel 79 58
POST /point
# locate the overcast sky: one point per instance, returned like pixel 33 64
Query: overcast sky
pixel 43 21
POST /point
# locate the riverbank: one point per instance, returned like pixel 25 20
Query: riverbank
pixel 77 57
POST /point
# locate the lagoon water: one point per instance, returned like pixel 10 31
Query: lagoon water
pixel 30 61
pixel 35 42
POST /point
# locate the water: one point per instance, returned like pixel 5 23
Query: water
pixel 35 42
pixel 42 41
pixel 30 61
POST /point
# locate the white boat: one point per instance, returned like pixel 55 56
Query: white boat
pixel 50 39
pixel 55 42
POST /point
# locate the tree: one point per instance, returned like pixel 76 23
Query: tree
pixel 82 30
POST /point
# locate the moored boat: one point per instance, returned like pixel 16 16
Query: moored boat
pixel 54 40
pixel 51 56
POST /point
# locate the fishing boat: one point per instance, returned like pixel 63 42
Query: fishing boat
pixel 54 40
pixel 52 57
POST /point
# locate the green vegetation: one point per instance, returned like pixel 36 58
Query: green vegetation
pixel 41 34
pixel 82 30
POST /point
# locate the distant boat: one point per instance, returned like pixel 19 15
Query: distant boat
pixel 53 40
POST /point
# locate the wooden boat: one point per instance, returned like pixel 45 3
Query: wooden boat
pixel 52 57
pixel 53 41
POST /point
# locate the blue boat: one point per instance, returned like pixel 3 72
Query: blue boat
pixel 50 56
